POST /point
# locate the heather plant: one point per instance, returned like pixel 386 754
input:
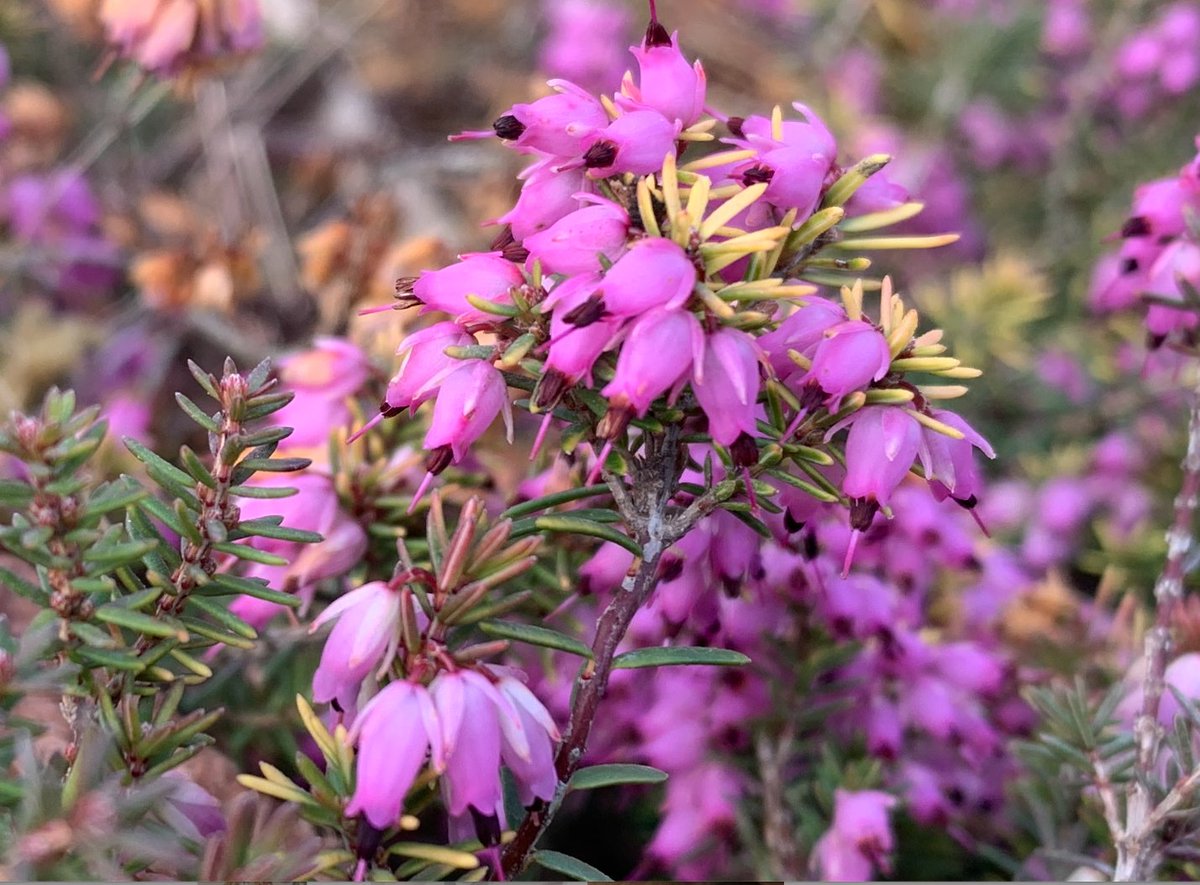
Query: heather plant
pixel 657 539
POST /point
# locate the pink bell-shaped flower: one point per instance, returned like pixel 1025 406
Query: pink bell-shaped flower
pixel 637 142
pixel 800 331
pixel 654 273
pixel 468 401
pixel 859 840
pixel 575 243
pixel 547 195
pixel 880 448
pixel 531 764
pixel 364 638
pixel 424 364
pixel 551 125
pixel 487 275
pixel 394 732
pixel 728 383
pixel 848 357
pixel 667 83
pixel 574 349
pixel 952 471
pixel 660 351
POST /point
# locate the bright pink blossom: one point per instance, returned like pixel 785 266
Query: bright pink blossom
pixel 728 383
pixel 880 448
pixel 637 142
pixel 424 364
pixel 660 351
pixel 859 840
pixel 848 357
pixel 577 242
pixel 468 401
pixel 667 83
pixel 363 639
pixel 487 275
pixel 654 273
pixel 394 732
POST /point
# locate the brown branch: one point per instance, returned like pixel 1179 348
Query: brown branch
pixel 655 482
pixel 1139 847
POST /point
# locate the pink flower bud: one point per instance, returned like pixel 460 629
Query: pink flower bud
pixel 424 364
pixel 880 448
pixel 654 273
pixel 848 357
pixel 668 84
pixel 728 385
pixel 486 274
pixel 394 732
pixel 574 244
pixel 637 142
pixel 468 401
pixel 661 349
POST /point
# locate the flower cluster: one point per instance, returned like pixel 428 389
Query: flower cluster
pixel 624 280
pixel 167 36
pixel 1159 259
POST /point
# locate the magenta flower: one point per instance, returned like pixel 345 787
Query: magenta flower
pixel 487 275
pixel 849 357
pixel 471 708
pixel 574 349
pixel 952 471
pixel 859 840
pixel 165 35
pixel 880 448
pixel 637 142
pixel 795 177
pixel 425 364
pixel 583 44
pixel 660 351
pixel 468 401
pixel 811 134
pixel 727 384
pixel 574 244
pixel 531 762
pixel 547 195
pixel 315 507
pixel 322 378
pixel 654 273
pixel 394 732
pixel 801 331
pixel 667 83
pixel 552 125
pixel 1176 269
pixel 364 638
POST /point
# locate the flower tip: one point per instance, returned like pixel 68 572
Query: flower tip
pixel 855 534
pixel 421 490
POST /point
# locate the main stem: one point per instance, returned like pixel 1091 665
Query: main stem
pixel 1139 847
pixel 656 533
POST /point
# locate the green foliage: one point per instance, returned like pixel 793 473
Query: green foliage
pixel 129 612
